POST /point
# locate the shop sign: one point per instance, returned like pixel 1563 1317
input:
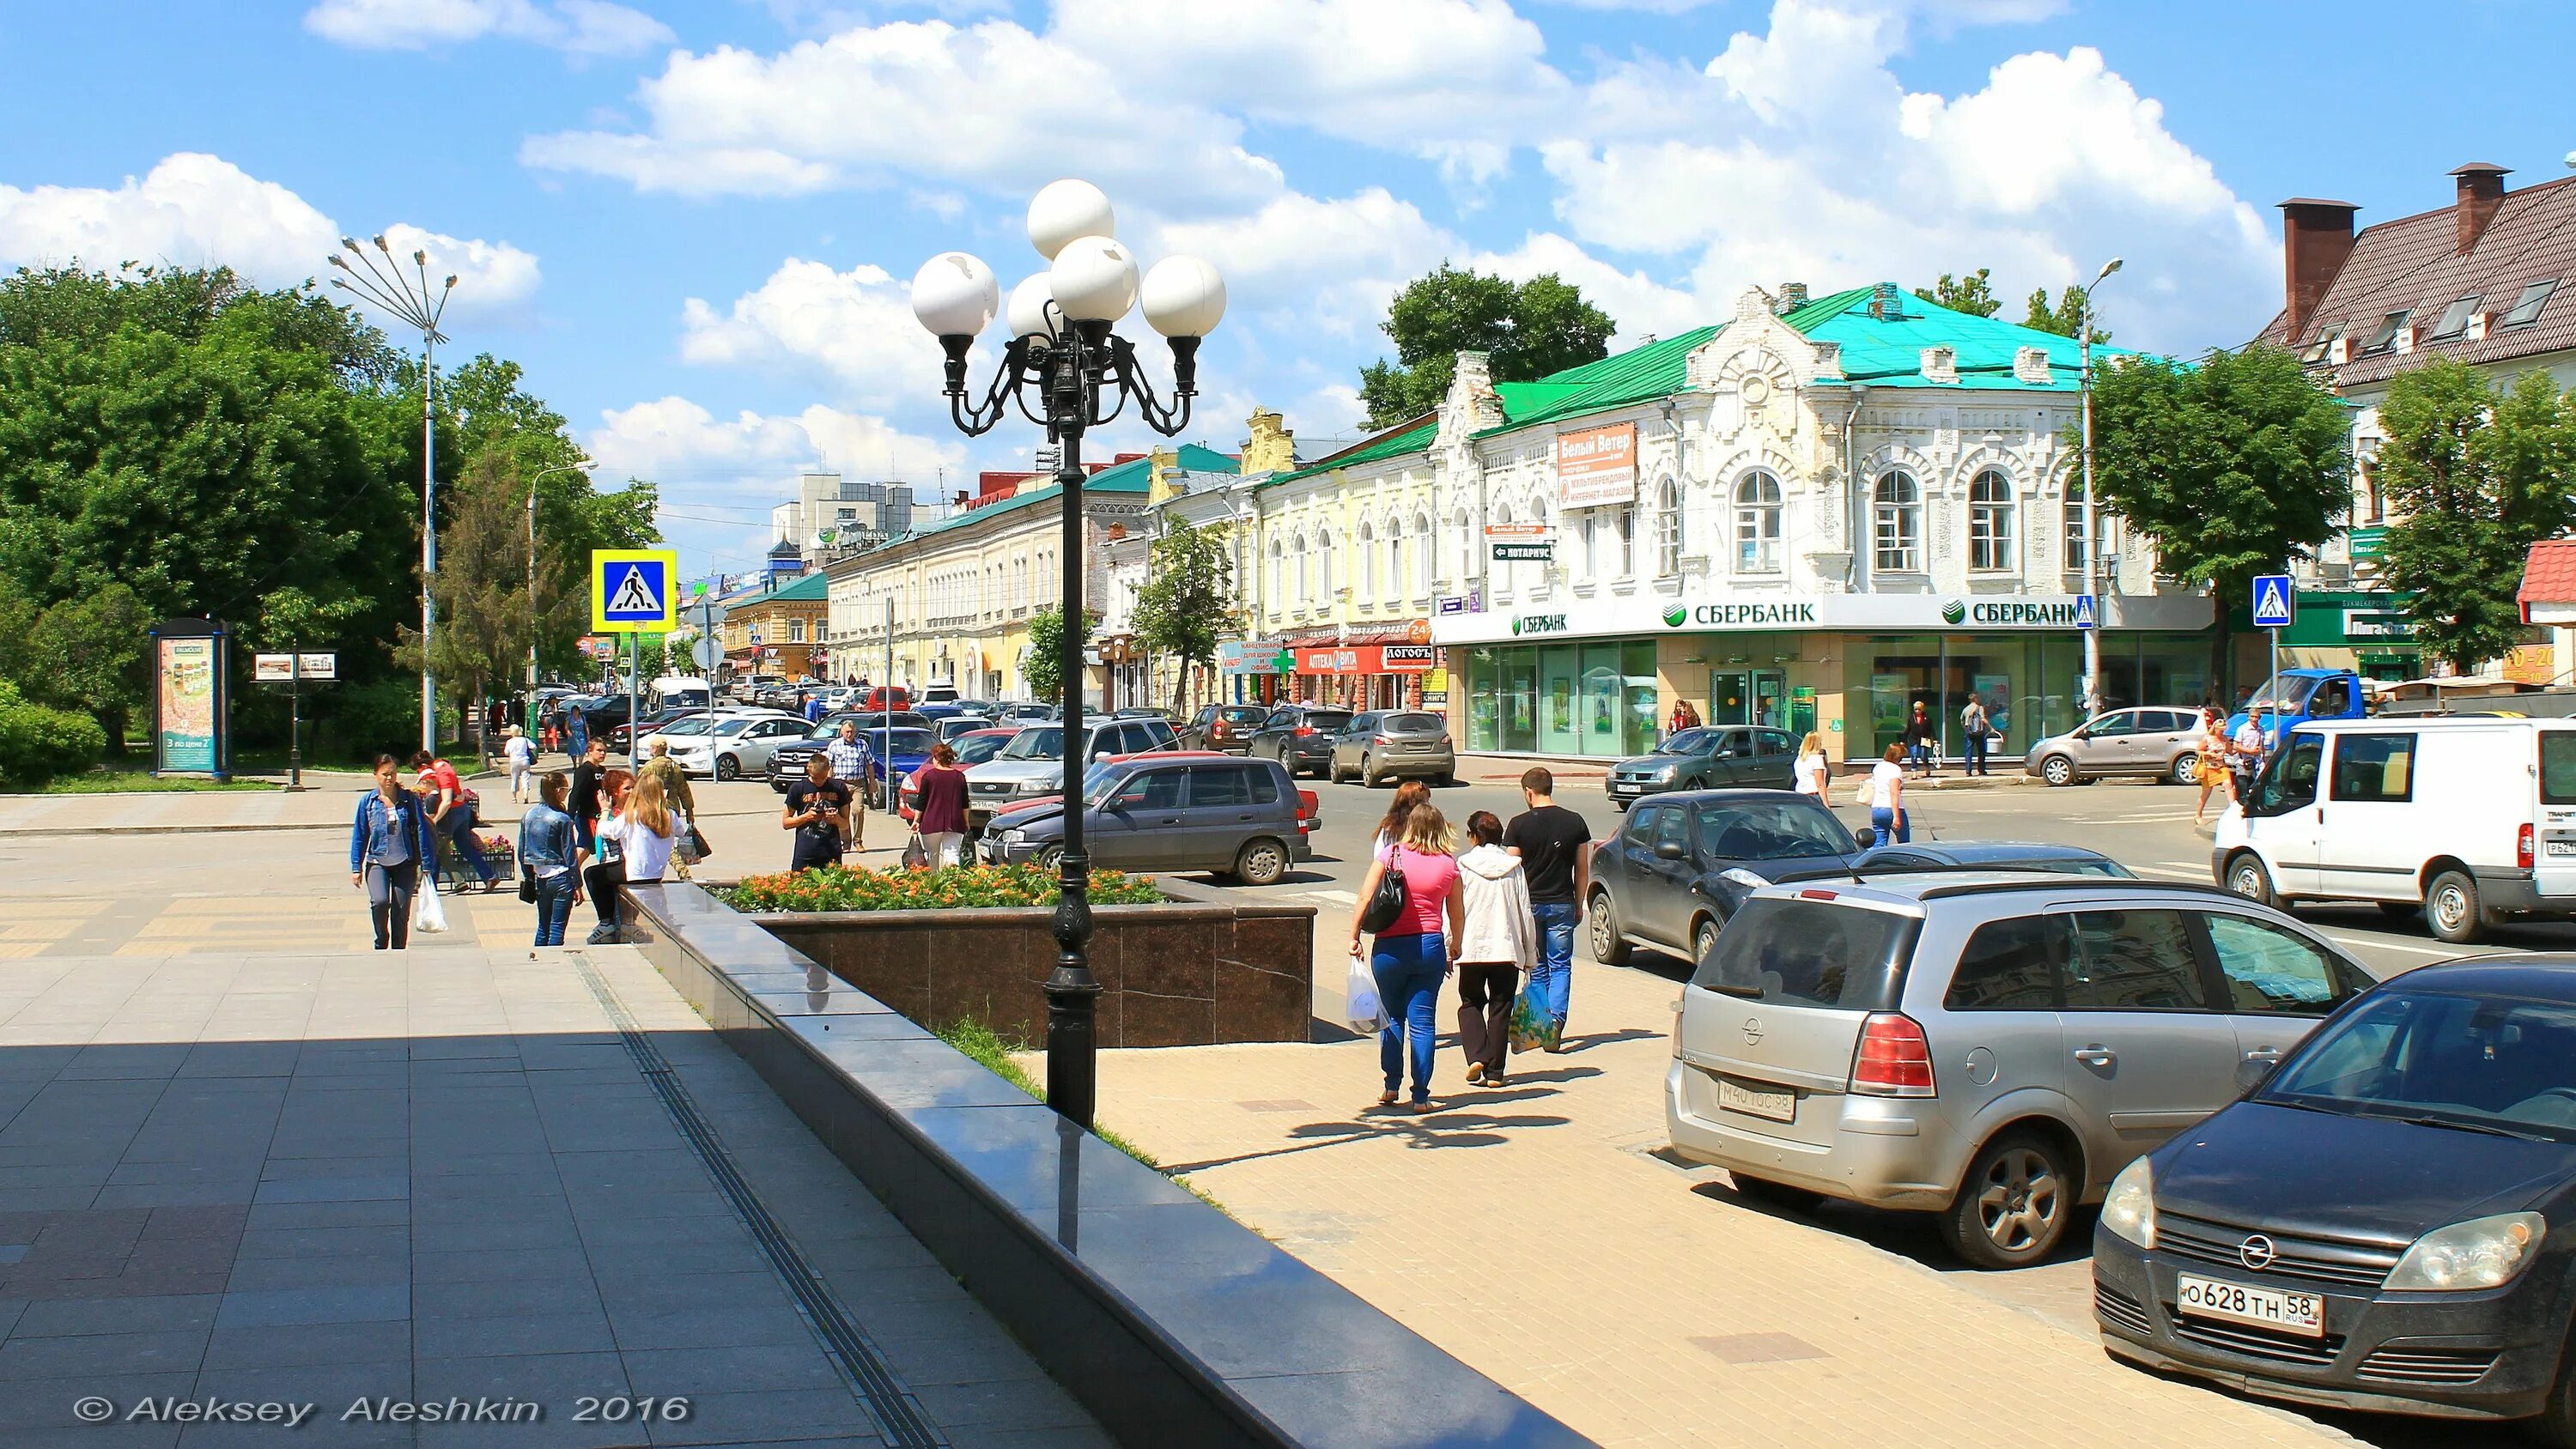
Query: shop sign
pixel 1449 604
pixel 1595 466
pixel 1406 658
pixel 2071 613
pixel 1418 632
pixel 1782 614
pixel 1252 656
pixel 1538 624
pixel 1927 613
pixel 2368 543
pixel 1525 553
pixel 2377 624
pixel 1435 699
pixel 1366 659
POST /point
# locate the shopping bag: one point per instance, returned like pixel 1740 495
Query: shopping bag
pixel 1534 1027
pixel 428 915
pixel 1366 1013
pixel 685 845
pixel 916 854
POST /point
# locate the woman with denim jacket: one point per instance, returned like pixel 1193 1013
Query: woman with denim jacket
pixel 550 850
pixel 388 842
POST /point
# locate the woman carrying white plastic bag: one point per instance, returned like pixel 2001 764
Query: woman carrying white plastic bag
pixel 429 915
pixel 1366 1013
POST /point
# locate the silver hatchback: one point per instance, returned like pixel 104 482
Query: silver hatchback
pixel 1379 745
pixel 1988 1046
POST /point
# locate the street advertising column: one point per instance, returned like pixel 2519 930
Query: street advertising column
pixel 191 698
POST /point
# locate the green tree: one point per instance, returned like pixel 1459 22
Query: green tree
pixel 2233 466
pixel 2474 477
pixel 2065 316
pixel 88 654
pixel 1529 329
pixel 1969 294
pixel 1046 641
pixel 1187 604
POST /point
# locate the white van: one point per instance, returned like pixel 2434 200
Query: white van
pixel 2474 820
pixel 681 691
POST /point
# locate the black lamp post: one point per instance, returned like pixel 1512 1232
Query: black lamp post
pixel 1065 370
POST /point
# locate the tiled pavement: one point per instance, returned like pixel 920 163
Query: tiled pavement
pixel 1531 1231
pixel 239 1159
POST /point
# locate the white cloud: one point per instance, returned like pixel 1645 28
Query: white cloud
pixel 990 105
pixel 856 327
pixel 1318 264
pixel 193 209
pixel 675 441
pixel 576 27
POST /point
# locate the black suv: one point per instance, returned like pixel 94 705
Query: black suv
pixel 1299 736
pixel 1681 864
pixel 1239 818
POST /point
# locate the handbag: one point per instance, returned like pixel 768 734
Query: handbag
pixel 528 884
pixel 1366 1014
pixel 687 846
pixel 428 915
pixel 1533 1026
pixel 916 855
pixel 1386 903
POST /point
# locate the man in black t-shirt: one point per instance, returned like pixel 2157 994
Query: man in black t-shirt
pixel 818 811
pixel 1554 846
pixel 584 801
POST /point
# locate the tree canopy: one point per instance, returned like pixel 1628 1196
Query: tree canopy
pixel 1529 329
pixel 2474 477
pixel 1969 293
pixel 1187 604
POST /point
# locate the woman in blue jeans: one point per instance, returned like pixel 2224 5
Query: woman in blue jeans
pixel 551 850
pixel 1410 958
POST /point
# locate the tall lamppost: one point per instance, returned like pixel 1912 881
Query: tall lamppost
pixel 2092 519
pixel 1066 371
pixel 410 300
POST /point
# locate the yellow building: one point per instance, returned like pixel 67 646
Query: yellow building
pixel 778 632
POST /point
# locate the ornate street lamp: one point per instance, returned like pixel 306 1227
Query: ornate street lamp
pixel 1068 372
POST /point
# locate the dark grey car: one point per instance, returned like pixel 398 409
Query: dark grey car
pixel 1712 757
pixel 1681 864
pixel 1379 745
pixel 1300 736
pixel 1239 818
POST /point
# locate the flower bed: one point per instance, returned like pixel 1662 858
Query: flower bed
pixel 965 887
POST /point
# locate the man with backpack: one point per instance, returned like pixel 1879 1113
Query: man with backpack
pixel 1978 731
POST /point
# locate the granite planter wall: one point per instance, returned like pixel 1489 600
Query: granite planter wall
pixel 1207 966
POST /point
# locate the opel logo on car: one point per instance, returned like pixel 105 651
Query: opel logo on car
pixel 1752 1031
pixel 2257 1252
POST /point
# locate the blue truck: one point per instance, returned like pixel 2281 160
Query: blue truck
pixel 2296 696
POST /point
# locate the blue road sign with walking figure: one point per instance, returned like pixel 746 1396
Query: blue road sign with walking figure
pixel 2086 616
pixel 2276 601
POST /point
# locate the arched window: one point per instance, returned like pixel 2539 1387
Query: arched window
pixel 1424 566
pixel 1896 517
pixel 1668 529
pixel 1467 541
pixel 1990 521
pixel 1324 566
pixel 1368 561
pixel 1305 579
pixel 1757 523
pixel 1273 595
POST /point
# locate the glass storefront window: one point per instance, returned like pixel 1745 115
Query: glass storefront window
pixel 1559 670
pixel 1483 689
pixel 1601 706
pixel 1520 700
pixel 1638 660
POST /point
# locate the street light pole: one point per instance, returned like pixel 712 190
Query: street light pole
pixel 410 300
pixel 2092 519
pixel 1061 367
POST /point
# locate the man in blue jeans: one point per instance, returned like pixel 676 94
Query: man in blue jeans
pixel 1555 850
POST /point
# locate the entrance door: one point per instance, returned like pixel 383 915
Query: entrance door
pixel 1748 696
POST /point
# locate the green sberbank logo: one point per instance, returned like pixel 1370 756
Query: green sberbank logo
pixel 1954 612
pixel 1676 616
pixel 1538 623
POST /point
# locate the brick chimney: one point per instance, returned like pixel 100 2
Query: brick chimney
pixel 2481 186
pixel 2316 236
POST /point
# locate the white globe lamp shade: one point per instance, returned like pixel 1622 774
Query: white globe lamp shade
pixel 1094 279
pixel 1184 297
pixel 1065 210
pixel 955 295
pixel 1029 314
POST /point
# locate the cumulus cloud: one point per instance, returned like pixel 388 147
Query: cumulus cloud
pixel 855 327
pixel 576 27
pixel 1315 263
pixel 676 441
pixel 193 209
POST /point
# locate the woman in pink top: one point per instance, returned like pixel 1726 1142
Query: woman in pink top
pixel 1411 958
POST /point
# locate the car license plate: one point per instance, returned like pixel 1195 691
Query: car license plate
pixel 1735 1096
pixel 2300 1313
pixel 2558 847
pixel 1623 787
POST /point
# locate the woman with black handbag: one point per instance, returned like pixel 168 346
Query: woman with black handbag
pixel 1409 903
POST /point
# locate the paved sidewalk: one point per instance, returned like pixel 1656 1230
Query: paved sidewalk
pixel 243 1158
pixel 1531 1231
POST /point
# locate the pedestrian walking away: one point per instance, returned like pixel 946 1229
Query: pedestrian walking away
pixel 1497 941
pixel 852 763
pixel 521 752
pixel 818 812
pixel 1552 844
pixel 675 789
pixel 941 790
pixel 1884 793
pixel 1978 731
pixel 551 855
pixel 1409 796
pixel 1923 741
pixel 2213 760
pixel 1813 768
pixel 1410 958
pixel 387 842
pixel 452 816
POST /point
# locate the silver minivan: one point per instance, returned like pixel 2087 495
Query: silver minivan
pixel 1987 1046
pixel 2156 742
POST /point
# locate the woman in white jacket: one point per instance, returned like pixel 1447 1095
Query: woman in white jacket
pixel 1496 943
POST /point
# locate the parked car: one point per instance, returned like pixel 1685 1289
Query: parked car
pixel 1162 812
pixel 1681 864
pixel 885 697
pixel 2474 820
pixel 1379 745
pixel 735 745
pixel 1706 758
pixel 1993 855
pixel 2384 1222
pixel 1023 709
pixel 2160 743
pixel 1299 736
pixel 951 727
pixel 1991 1048
pixel 620 737
pixel 939 694
pixel 1224 727
pixel 1032 764
pixel 787 762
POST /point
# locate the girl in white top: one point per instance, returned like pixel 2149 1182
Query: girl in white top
pixel 643 832
pixel 1497 941
pixel 1813 768
pixel 1885 792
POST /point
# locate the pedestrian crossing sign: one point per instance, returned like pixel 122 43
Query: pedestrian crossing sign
pixel 632 591
pixel 2276 601
pixel 2085 615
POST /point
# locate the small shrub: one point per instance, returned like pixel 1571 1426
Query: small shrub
pixel 841 888
pixel 37 743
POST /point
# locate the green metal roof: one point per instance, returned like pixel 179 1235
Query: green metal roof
pixel 1888 352
pixel 1394 443
pixel 809 589
pixel 1658 369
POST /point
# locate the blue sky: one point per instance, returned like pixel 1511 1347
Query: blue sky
pixel 695 222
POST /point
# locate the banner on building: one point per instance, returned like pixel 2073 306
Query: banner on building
pixel 1366 659
pixel 1596 466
